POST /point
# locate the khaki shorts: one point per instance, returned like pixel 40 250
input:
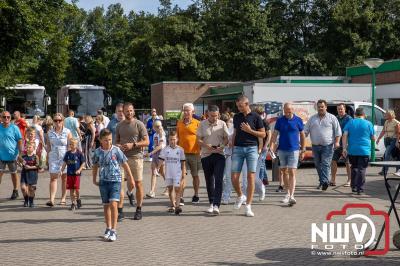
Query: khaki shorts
pixel 136 166
pixel 193 163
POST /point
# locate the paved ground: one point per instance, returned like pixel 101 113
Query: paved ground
pixel 277 234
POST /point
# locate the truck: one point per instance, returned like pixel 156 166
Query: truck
pixel 29 99
pixel 84 99
pixel 284 92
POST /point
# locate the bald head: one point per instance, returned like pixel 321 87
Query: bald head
pixel 288 110
pixel 17 115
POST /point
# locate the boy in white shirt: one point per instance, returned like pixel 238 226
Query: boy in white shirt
pixel 174 158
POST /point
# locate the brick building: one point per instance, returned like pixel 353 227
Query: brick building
pixel 171 95
pixel 387 83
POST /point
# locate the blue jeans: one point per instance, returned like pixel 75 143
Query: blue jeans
pixel 390 144
pixel 250 154
pixel 259 186
pixel 227 183
pixel 109 191
pixel 322 159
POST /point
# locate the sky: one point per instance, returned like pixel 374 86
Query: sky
pixel 150 6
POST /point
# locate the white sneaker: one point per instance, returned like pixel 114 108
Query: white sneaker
pixel 262 196
pixel 211 209
pixel 286 199
pixel 239 201
pixel 397 173
pixel 292 200
pixel 113 236
pixel 107 233
pixel 216 210
pixel 248 211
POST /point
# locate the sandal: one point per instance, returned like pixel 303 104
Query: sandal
pixel 50 204
pixel 332 184
pixel 171 209
pixel 62 203
pixel 347 184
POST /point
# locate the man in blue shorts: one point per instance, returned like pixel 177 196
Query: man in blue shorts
pixel 291 148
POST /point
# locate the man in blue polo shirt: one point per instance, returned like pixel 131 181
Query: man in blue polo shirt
pixel 291 148
pixel 10 145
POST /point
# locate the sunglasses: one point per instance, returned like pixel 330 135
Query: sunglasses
pixel 57 120
pixel 6 116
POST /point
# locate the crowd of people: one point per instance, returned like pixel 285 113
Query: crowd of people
pixel 224 145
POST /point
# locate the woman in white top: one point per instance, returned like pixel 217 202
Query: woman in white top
pixel 99 124
pixel 39 129
pixel 57 145
pixel 157 165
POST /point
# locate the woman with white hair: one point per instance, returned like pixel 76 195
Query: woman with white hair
pixel 389 132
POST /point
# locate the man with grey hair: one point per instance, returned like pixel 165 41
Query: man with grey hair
pixel 187 139
pixel 325 133
pixel 212 136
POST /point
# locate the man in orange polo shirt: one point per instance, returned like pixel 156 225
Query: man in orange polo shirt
pixel 187 139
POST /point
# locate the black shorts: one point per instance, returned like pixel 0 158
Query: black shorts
pixel 337 154
pixel 29 177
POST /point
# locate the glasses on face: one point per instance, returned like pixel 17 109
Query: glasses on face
pixel 6 116
pixel 57 120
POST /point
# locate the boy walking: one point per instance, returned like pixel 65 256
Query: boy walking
pixel 109 158
pixel 174 157
pixel 74 161
pixel 29 174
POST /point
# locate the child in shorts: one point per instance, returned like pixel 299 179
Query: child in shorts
pixel 29 174
pixel 174 158
pixel 108 158
pixel 157 165
pixel 74 160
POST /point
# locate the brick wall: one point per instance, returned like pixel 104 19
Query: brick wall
pixel 381 78
pixel 171 96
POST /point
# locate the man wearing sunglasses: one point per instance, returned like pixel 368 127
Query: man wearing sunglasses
pixel 10 145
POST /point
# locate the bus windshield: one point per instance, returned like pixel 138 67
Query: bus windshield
pixel 86 101
pixel 28 101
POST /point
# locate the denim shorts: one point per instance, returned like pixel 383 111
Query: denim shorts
pixel 110 191
pixel 288 159
pixel 239 154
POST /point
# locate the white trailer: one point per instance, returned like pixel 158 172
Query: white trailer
pixel 284 92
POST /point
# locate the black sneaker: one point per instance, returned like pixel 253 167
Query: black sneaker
pixel 354 190
pixel 325 187
pixel 138 215
pixel 178 210
pixel 195 200
pixel 121 216
pixel 26 203
pixel 131 199
pixel 14 195
pixel 181 202
pixel 78 203
pixel 31 204
pixel 319 186
pixel 73 207
pixel 279 189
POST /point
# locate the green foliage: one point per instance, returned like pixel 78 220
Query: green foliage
pixel 52 42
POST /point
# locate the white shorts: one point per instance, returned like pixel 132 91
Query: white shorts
pixel 176 182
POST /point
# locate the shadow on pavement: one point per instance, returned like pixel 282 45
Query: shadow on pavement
pixel 37 221
pixel 63 240
pixel 296 256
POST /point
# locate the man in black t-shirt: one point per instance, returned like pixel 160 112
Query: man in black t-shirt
pixel 248 127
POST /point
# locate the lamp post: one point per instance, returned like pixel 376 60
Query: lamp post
pixel 373 64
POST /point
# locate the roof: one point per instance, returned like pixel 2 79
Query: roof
pixel 26 87
pixel 360 70
pixel 195 82
pixel 83 87
pixel 302 79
